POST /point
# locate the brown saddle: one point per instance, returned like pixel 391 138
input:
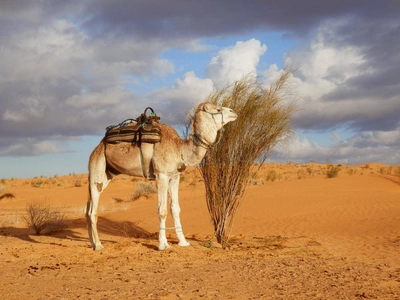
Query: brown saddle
pixel 143 129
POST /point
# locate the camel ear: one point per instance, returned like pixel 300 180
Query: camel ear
pixel 206 106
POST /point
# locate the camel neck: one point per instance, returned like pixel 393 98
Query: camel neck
pixel 194 150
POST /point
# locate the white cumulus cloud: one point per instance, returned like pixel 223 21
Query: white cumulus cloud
pixel 232 63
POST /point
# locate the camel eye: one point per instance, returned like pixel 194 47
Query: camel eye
pixel 218 109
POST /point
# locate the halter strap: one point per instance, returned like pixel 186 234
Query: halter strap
pixel 200 141
pixel 217 113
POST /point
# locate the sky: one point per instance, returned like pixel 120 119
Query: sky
pixel 68 69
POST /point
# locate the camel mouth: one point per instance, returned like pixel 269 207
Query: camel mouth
pixel 233 116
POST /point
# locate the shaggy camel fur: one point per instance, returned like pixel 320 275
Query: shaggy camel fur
pixel 163 161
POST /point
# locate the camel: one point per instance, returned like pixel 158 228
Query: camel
pixel 163 161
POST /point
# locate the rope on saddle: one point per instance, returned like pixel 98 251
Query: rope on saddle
pixel 143 129
pixel 122 124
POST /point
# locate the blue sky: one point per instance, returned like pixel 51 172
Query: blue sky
pixel 68 69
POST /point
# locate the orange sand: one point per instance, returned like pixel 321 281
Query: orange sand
pixel 301 237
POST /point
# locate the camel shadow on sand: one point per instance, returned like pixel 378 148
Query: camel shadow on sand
pixel 75 230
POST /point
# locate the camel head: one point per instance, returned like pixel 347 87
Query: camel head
pixel 216 115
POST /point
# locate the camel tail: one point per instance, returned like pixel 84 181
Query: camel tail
pixel 89 190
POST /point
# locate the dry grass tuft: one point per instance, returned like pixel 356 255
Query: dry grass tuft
pixel 272 175
pixel 332 171
pixel 40 215
pixel 143 189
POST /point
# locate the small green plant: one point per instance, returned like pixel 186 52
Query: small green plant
pixel 40 215
pixel 332 171
pixel 143 189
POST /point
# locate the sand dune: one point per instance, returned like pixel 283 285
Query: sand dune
pixel 302 236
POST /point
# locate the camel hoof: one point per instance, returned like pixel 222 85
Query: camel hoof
pixel 165 246
pixel 184 244
pixel 98 247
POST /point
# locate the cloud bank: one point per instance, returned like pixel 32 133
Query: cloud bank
pixel 67 68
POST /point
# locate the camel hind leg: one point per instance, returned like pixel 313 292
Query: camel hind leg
pixel 98 181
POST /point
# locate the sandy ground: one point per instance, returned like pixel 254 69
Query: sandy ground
pixel 302 236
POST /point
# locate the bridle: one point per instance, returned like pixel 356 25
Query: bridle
pixel 200 141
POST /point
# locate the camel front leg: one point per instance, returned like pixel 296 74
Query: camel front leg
pixel 162 187
pixel 176 209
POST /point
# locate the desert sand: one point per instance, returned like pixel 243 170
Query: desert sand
pixel 300 236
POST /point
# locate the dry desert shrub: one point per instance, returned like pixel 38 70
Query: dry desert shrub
pixel 310 171
pixel 76 180
pixel 300 174
pixel 143 189
pixel 272 175
pixel 262 123
pixel 397 170
pixel 351 171
pixel 40 215
pixel 332 171
pixel 37 182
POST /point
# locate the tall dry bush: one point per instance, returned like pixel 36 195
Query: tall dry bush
pixel 263 122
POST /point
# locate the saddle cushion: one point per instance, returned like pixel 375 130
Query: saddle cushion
pixel 134 133
pixel 144 129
